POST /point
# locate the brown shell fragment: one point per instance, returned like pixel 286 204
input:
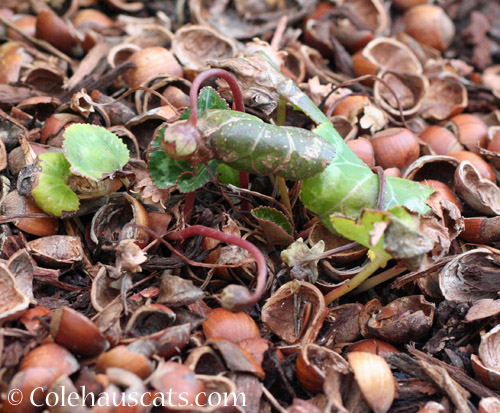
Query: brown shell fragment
pixel 313 364
pixel 177 291
pixel 482 309
pixel 13 303
pixel 471 276
pixel 411 90
pixel 343 321
pixel 489 405
pixel 205 360
pixel 109 220
pixel 150 62
pixel 389 54
pixel 102 293
pixel 229 325
pixel 193 44
pixel 491 79
pixel 134 358
pixel 56 251
pixel 486 364
pixel 226 390
pixel 149 319
pixel 374 378
pixel 446 97
pixel 230 22
pixel 10 62
pixel 477 192
pixel 440 140
pixel 404 319
pixel 236 357
pixel 15 204
pixel 169 86
pixel 278 312
pixel 436 167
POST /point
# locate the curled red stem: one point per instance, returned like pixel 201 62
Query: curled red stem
pixel 238 103
pixel 260 286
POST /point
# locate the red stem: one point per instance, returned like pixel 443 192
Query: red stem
pixel 238 104
pixel 230 239
pixel 189 205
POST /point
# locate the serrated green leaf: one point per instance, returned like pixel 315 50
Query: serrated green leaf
pixel 275 225
pixel 192 180
pixel 167 173
pixel 93 151
pixel 368 230
pixel 51 193
pixel 273 215
pixel 207 99
pixel 164 170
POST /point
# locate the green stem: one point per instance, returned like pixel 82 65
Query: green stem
pixel 357 280
pixel 125 182
pixel 380 278
pixel 280 121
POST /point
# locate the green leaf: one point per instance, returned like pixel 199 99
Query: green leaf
pixel 167 173
pixel 191 180
pixel 51 193
pixel 275 225
pixel 273 215
pixel 404 238
pixel 164 170
pixel 207 99
pixel 228 175
pixel 93 151
pixel 368 230
pixel 394 233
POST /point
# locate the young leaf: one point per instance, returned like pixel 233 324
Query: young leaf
pixel 404 239
pixel 276 227
pixel 51 193
pixel 93 151
pixel 394 233
pixel 164 170
pixel 368 230
pixel 190 181
pixel 207 99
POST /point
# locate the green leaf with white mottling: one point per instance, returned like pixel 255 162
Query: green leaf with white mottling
pixel 193 179
pixel 93 151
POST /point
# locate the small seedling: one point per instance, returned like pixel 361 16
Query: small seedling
pixel 90 152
